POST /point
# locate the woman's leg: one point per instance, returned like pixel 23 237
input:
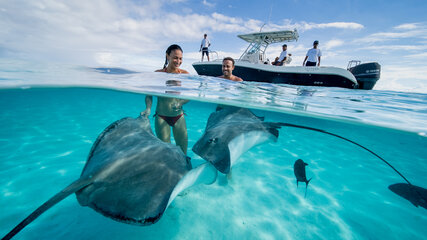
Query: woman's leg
pixel 180 134
pixel 163 130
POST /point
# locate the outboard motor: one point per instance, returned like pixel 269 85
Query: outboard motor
pixel 367 74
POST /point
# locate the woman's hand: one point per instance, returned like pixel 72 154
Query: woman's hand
pixel 146 113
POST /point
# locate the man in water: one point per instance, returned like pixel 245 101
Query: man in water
pixel 313 56
pixel 227 70
pixel 204 47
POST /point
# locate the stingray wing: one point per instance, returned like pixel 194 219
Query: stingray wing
pixel 121 136
pixel 134 173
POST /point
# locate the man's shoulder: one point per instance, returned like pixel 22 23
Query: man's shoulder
pixel 237 79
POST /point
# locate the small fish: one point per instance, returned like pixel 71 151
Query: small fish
pixel 299 170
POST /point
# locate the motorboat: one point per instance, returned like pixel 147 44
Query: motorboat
pixel 254 66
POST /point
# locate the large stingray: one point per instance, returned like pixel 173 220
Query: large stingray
pixel 229 133
pixel 130 175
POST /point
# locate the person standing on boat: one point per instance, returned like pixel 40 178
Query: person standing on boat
pixel 204 47
pixel 169 113
pixel 227 70
pixel 279 61
pixel 313 56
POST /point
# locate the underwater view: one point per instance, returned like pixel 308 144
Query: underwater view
pixel 291 163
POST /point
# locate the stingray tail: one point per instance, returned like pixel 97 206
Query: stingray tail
pixel 75 186
pixel 348 140
pixel 306 186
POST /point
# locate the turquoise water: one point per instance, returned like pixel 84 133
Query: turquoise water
pixel 46 135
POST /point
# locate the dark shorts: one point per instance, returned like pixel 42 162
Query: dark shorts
pixel 277 63
pixel 205 51
pixel 310 64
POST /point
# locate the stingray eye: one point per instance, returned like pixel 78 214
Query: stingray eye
pixel 213 140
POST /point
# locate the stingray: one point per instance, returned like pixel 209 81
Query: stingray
pixel 229 133
pixel 130 175
pixel 414 194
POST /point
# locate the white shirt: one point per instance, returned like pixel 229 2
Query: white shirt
pixel 205 43
pixel 283 55
pixel 313 55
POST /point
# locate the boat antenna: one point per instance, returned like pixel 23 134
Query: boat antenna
pixel 261 27
pixel 269 16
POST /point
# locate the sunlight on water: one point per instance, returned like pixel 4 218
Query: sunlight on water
pixel 399 110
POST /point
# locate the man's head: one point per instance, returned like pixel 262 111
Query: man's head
pixel 227 66
pixel 205 35
pixel 284 47
pixel 315 43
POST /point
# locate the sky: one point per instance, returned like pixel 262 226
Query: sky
pixel 135 34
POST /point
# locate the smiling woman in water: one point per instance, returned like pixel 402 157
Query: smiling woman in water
pixel 169 113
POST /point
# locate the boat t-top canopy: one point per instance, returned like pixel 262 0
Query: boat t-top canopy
pixel 258 43
pixel 270 37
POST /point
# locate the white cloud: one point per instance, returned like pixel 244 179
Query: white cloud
pixel 407 26
pixel 422 56
pixel 333 44
pixel 206 3
pixel 393 48
pixel 89 29
pixel 305 26
pixel 403 78
pixel 404 31
pixel 344 25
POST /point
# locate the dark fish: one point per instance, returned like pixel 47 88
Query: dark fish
pixel 300 174
pixel 416 195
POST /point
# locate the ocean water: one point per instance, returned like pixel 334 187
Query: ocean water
pixel 51 116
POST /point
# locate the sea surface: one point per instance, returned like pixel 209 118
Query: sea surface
pixel 51 115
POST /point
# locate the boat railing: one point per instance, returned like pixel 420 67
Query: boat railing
pixel 214 52
pixel 353 63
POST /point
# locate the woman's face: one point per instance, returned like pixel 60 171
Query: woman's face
pixel 175 58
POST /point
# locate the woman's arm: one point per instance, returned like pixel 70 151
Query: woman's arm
pixel 148 104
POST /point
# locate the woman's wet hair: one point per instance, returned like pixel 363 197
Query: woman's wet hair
pixel 168 52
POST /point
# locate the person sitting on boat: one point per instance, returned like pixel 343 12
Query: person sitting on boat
pixel 313 56
pixel 283 58
pixel 227 70
pixel 204 47
pixel 169 113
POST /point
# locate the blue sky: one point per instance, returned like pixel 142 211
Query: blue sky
pixel 135 34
